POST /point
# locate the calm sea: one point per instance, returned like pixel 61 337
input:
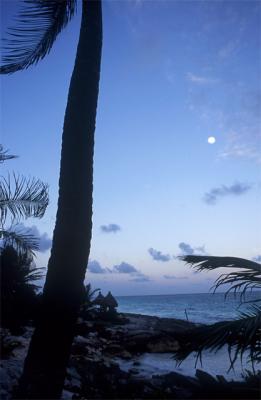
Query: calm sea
pixel 201 307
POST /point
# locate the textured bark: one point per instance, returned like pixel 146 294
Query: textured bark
pixel 45 365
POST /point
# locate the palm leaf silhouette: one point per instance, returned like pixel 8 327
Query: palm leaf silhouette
pixel 38 24
pixel 4 154
pixel 240 335
pixel 22 198
pixel 22 241
pixel 247 277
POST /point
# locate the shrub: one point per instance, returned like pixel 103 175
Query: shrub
pixel 18 292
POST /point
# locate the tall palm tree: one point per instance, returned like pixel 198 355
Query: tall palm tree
pixel 241 335
pixel 41 22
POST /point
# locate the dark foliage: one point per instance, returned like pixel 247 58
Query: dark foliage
pixel 39 23
pixel 23 242
pixel 241 335
pixel 4 154
pixel 22 198
pixel 18 290
pixel 247 277
pixel 88 298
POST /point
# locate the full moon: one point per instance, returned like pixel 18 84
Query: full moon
pixel 211 139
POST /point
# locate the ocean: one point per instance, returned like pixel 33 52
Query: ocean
pixel 204 308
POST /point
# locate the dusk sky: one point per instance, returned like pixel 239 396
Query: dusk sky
pixel 174 73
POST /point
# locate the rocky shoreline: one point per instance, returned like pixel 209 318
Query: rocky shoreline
pixel 101 346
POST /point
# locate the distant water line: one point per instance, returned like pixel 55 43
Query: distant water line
pixel 199 307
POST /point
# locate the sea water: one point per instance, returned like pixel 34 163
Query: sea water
pixel 206 308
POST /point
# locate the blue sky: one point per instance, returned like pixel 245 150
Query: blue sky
pixel 173 74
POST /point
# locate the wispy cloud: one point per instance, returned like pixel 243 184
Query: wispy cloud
pixel 45 243
pixel 158 256
pixel 228 50
pixel 200 80
pixel 141 278
pixel 257 258
pixel 237 189
pixel 245 144
pixel 110 228
pixel 174 277
pixel 236 117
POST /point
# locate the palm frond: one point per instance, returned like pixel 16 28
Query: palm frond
pixel 88 298
pixel 240 282
pixel 247 279
pixel 23 242
pixel 240 335
pixel 211 262
pixel 4 154
pixel 22 198
pixel 39 23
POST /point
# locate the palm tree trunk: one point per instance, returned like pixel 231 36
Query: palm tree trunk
pixel 45 365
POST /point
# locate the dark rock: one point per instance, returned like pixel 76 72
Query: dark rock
pixel 134 371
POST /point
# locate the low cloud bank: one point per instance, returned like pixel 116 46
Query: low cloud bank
pixel 174 277
pixel 95 267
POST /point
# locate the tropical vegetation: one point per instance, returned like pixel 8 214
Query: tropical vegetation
pixel 19 276
pixel 20 198
pixel 88 304
pixel 37 28
pixel 241 335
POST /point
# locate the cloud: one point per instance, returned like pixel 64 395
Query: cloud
pixel 124 268
pixel 96 268
pixel 257 258
pixel 45 243
pixel 238 122
pixel 244 143
pixel 241 150
pixel 110 228
pixel 136 275
pixel 188 250
pixel 200 80
pixel 174 277
pixel 229 49
pixel 141 278
pixel 158 256
pixel 215 194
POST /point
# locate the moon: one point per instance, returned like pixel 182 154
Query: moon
pixel 211 139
